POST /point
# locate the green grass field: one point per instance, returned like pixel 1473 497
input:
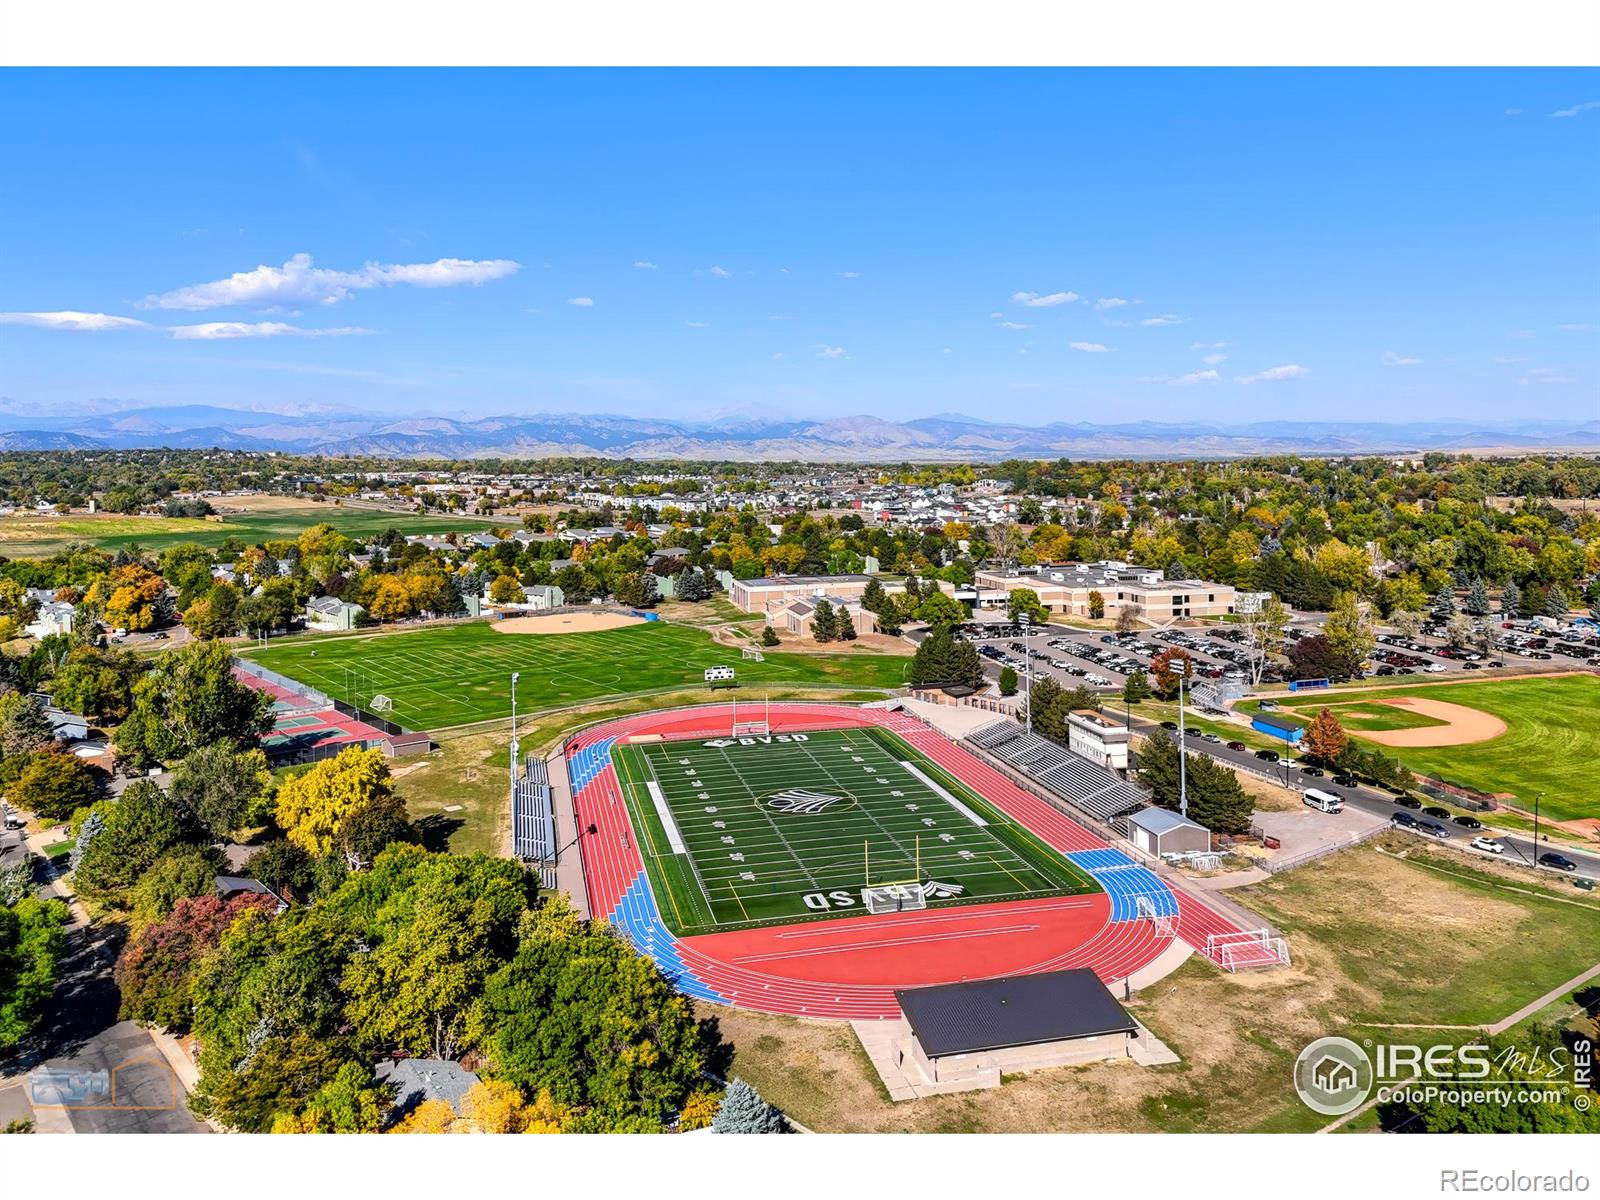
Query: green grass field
pixel 761 831
pixel 451 675
pixel 1551 742
pixel 35 537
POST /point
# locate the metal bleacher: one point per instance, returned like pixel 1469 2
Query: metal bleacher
pixel 1083 784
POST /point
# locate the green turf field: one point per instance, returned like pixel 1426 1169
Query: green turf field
pixel 763 831
pixel 32 536
pixel 1551 742
pixel 455 674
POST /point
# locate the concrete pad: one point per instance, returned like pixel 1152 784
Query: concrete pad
pixel 1308 829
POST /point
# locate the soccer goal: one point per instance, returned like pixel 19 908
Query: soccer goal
pixel 754 655
pixel 1164 924
pixel 381 703
pixel 1248 948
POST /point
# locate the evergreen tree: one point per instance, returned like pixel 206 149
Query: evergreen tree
pixel 744 1111
pixel 822 623
pixel 1137 687
pixel 1008 681
pixel 1510 600
pixel 874 597
pixel 1555 601
pixel 769 636
pixel 1444 603
pixel 1478 598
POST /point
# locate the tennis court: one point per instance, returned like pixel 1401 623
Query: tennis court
pixel 762 830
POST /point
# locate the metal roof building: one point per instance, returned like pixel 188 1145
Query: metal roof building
pixel 990 1015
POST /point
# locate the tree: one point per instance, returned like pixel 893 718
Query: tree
pixel 507 589
pixel 141 825
pixel 1264 634
pixel 283 867
pixel 1444 604
pixel 1137 687
pixel 350 1102
pixel 156 971
pixel 636 589
pixel 271 608
pixel 97 683
pixel 940 611
pixel 1314 658
pixel 1349 630
pixel 391 602
pixel 873 598
pixel 1216 798
pixel 769 636
pixel 366 832
pixel 1167 667
pixel 1127 619
pixel 188 700
pixel 692 586
pixel 1556 603
pixel 1325 738
pixel 223 787
pixel 744 1111
pixel 53 785
pixel 311 808
pixel 181 873
pixel 944 660
pixel 24 727
pixel 215 614
pixel 1459 630
pixel 1406 623
pixel 822 623
pixel 1025 602
pixel 1008 681
pixel 32 938
pixel 1510 600
pixel 1097 604
pixel 1478 598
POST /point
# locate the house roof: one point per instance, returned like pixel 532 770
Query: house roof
pixel 992 1014
pixel 420 1079
pixel 1161 820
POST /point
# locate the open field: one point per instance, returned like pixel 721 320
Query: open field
pixel 32 536
pixel 448 675
pixel 761 831
pixel 1551 740
pixel 1376 939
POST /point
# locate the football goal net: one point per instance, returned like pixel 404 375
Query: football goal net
pixel 894 897
pixel 1248 948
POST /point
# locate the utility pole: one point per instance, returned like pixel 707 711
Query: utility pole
pixel 1536 800
pixel 514 747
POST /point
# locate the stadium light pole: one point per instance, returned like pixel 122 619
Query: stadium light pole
pixel 514 747
pixel 1026 622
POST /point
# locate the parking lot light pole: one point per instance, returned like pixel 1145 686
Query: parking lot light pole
pixel 1026 623
pixel 1536 801
pixel 1183 760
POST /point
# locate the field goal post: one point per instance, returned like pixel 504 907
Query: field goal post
pixel 893 895
pixel 758 726
pixel 1247 948
pixel 1164 924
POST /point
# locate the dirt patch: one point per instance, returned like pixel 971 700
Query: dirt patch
pixel 577 622
pixel 1462 725
pixel 788 643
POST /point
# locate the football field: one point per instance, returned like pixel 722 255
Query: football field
pixel 764 830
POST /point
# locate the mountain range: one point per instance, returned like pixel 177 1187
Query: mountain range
pixel 946 437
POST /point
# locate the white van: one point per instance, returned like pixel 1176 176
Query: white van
pixel 1323 801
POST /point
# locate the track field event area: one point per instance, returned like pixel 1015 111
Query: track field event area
pixel 448 675
pixel 766 829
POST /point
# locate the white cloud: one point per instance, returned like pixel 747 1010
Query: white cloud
pixel 1035 300
pixel 720 272
pixel 229 330
pixel 1164 319
pixel 777 356
pixel 1013 325
pixel 1549 375
pixel 581 302
pixel 298 282
pixel 1576 109
pixel 1192 378
pixel 1214 358
pixel 1575 327
pixel 1391 359
pixel 947 350
pixel 849 274
pixel 1504 359
pixel 1106 302
pixel 1513 112
pixel 1208 345
pixel 1273 374
pixel 826 351
pixel 643 265
pixel 1090 347
pixel 698 324
pixel 81 322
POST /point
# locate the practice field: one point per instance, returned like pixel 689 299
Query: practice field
pixel 449 675
pixel 33 536
pixel 1551 742
pixel 768 830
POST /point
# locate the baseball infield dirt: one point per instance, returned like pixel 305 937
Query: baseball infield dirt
pixel 1463 725
pixel 576 622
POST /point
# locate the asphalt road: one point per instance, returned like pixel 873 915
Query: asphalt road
pixel 1519 847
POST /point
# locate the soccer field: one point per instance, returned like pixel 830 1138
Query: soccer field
pixel 455 674
pixel 772 830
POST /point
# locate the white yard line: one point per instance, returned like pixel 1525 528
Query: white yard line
pixel 943 795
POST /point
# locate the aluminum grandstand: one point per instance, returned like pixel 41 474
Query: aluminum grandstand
pixel 1083 784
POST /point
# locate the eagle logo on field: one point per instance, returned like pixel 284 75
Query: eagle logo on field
pixel 802 800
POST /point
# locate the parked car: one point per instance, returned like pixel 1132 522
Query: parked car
pixel 1408 801
pixel 1433 829
pixel 1169 724
pixel 1488 845
pixel 1467 822
pixel 1433 810
pixel 1403 820
pixel 1314 772
pixel 1344 781
pixel 1557 862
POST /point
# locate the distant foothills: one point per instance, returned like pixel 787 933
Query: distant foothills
pixel 943 438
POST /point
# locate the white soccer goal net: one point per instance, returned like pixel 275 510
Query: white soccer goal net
pixel 1248 948
pixel 1164 924
pixel 894 897
pixel 754 655
pixel 382 703
pixel 750 728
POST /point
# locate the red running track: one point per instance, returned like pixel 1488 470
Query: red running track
pixel 849 968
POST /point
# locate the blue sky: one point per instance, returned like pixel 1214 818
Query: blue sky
pixel 1285 244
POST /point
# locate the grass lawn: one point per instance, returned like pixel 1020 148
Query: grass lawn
pixel 56 850
pixel 755 831
pixel 450 675
pixel 1550 745
pixel 35 537
pixel 1375 939
pixel 1354 715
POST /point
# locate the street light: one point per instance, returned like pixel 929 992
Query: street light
pixel 1026 623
